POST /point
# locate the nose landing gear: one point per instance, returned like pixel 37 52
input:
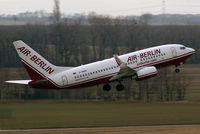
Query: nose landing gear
pixel 177 70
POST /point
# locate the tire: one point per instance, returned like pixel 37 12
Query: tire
pixel 120 87
pixel 177 70
pixel 106 87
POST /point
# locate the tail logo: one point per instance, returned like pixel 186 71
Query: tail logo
pixel 24 51
pixel 36 60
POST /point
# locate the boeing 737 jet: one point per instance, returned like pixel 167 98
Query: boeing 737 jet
pixel 137 65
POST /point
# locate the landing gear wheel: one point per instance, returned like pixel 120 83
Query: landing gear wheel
pixel 177 70
pixel 120 87
pixel 106 87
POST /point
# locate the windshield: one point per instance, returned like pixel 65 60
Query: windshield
pixel 182 48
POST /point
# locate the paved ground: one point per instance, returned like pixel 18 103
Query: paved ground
pixel 168 129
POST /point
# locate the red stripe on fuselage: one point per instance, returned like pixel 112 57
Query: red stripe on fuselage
pixel 163 63
pixel 105 78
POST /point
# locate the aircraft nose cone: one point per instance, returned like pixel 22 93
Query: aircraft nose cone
pixel 192 50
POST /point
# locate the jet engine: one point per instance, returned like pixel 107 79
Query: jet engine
pixel 146 72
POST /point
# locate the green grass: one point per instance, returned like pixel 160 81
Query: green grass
pixel 68 114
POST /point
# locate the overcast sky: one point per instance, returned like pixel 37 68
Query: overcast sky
pixel 109 7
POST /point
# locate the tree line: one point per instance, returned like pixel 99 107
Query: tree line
pixel 72 44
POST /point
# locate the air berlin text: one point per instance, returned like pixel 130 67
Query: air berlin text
pixel 36 60
pixel 144 54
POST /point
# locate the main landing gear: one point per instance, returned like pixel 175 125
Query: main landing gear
pixel 106 87
pixel 119 87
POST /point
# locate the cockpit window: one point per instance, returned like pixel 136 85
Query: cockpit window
pixel 182 48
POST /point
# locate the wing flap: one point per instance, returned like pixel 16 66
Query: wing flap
pixel 124 71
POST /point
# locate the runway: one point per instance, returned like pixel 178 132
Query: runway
pixel 164 129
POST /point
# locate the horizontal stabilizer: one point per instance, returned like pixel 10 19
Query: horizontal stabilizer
pixel 25 82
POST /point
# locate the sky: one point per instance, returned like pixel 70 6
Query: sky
pixel 107 7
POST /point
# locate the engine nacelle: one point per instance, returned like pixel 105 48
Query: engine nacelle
pixel 146 72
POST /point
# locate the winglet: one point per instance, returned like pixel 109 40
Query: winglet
pixel 119 62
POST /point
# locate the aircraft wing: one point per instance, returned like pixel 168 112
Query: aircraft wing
pixel 124 71
pixel 25 82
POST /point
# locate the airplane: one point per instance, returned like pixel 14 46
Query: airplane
pixel 136 65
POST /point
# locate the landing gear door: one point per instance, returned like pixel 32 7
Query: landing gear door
pixel 173 50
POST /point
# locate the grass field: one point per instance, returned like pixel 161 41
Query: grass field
pixel 94 114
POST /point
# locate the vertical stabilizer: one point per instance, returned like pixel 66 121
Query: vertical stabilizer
pixel 37 67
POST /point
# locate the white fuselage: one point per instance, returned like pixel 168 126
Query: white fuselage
pixel 102 71
pixel 139 65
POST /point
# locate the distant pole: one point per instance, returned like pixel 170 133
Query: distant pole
pixel 163 10
pixel 163 7
pixel 56 11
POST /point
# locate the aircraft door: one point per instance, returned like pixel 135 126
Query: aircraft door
pixel 173 50
pixel 64 80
